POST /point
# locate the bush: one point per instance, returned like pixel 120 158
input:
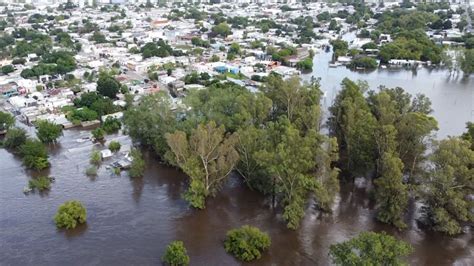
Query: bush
pixel 176 254
pixel 14 138
pixel 98 133
pixel 6 121
pixel 91 170
pixel 370 248
pixel 364 62
pixel 114 146
pixel 35 155
pixel 95 159
pixel 70 214
pixel 111 125
pixel 40 183
pixel 246 243
pixel 137 167
pixel 48 132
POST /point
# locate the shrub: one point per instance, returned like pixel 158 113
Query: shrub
pixel 137 168
pixel 14 138
pixel 34 154
pixel 246 243
pixel 40 183
pixel 6 120
pixel 114 146
pixel 48 132
pixel 91 170
pixel 111 125
pixel 117 170
pixel 176 254
pixel 98 133
pixel 70 214
pixel 95 159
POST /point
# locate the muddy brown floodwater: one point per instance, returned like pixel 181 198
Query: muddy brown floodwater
pixel 130 221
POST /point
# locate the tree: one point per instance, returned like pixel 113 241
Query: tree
pixel 114 146
pixel 98 134
pixel 111 125
pixel 48 132
pixel 246 243
pixel 176 254
pixel 370 248
pixel 141 124
pixel 70 214
pixel 7 69
pixel 449 185
pixel 353 124
pixel 95 159
pixel 391 194
pixel 108 86
pixel 35 155
pixel 288 157
pixel 222 29
pixel 207 156
pixel 14 138
pixel 467 63
pixel 137 168
pixel 41 183
pixel 6 121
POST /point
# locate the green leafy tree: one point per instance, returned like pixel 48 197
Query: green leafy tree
pixel 35 155
pixel 14 138
pixel 95 158
pixel 98 134
pixel 370 248
pixel 48 132
pixel 108 86
pixel 111 125
pixel 6 121
pixel 289 158
pixel 222 29
pixel 114 146
pixel 353 124
pixel 467 62
pixel 207 156
pixel 449 185
pixel 70 214
pixel 137 168
pixel 7 69
pixel 40 183
pixel 246 243
pixel 176 254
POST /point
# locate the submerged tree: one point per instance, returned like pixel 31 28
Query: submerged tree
pixel 370 248
pixel 48 132
pixel 207 156
pixel 449 185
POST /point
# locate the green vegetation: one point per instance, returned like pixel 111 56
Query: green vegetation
pixel 70 214
pixel 246 243
pixel 364 62
pixel 35 155
pixel 7 69
pixel 91 170
pixel 98 134
pixel 40 183
pixel 59 62
pixel 108 86
pixel 467 62
pixel 6 121
pixel 95 158
pixel 209 145
pixel 305 64
pixel 222 29
pixel 48 132
pixel 137 168
pixel 176 254
pixel 111 125
pixel 159 49
pixel 14 138
pixel 114 146
pixel 449 186
pixel 370 248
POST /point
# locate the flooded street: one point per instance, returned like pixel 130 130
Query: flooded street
pixel 130 221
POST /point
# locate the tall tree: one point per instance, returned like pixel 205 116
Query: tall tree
pixel 289 160
pixel 207 156
pixel 107 85
pixel 449 186
pixel 353 124
pixel 6 121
